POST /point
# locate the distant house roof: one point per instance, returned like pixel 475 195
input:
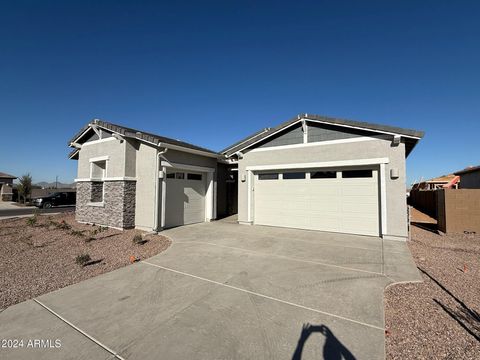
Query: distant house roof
pixel 441 179
pixel 138 134
pixel 412 135
pixel 7 176
pixel 468 170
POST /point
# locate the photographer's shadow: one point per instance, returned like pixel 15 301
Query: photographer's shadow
pixel 333 349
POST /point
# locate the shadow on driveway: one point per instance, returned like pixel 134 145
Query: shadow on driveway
pixel 333 349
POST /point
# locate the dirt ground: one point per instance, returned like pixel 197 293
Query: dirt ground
pixel 39 256
pixel 439 318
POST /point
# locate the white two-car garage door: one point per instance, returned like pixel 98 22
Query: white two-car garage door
pixel 185 198
pixel 343 201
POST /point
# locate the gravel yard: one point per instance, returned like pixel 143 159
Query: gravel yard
pixel 439 318
pixel 39 256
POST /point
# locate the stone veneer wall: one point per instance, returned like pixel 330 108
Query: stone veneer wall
pixel 118 208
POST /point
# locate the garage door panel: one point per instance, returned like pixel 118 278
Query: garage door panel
pixel 359 190
pixel 185 201
pixel 362 208
pixel 337 205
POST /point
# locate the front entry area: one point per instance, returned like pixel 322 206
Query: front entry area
pixel 185 197
pixel 344 200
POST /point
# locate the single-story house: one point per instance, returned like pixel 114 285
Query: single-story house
pixel 311 172
pixel 470 177
pixel 6 183
pixel 438 183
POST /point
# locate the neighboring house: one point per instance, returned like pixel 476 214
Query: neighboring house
pixel 311 172
pixel 6 183
pixel 470 177
pixel 437 183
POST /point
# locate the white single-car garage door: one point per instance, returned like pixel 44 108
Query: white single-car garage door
pixel 343 201
pixel 185 198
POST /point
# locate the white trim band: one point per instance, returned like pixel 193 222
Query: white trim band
pixel 324 164
pixel 93 142
pixel 318 143
pixel 119 178
pixel 187 167
pixel 99 158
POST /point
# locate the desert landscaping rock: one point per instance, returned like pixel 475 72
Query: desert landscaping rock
pixel 41 258
pixel 439 318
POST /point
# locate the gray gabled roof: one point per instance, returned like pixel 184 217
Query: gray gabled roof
pixel 6 176
pixel 415 135
pixel 141 135
pixel 468 170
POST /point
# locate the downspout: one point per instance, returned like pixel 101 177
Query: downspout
pixel 155 210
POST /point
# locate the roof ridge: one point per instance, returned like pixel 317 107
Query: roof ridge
pixel 415 134
pixel 144 135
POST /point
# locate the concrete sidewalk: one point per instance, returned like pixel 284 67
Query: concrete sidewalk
pixel 225 291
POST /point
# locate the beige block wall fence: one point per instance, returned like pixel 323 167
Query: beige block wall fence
pixel 459 210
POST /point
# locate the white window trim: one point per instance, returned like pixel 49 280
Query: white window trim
pixel 179 166
pixel 96 204
pixel 99 158
pixel 356 162
pixel 93 142
pixel 318 143
pixel 102 179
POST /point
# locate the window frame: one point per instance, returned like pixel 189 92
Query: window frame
pixel 334 172
pixel 194 175
pixel 294 178
pixel 259 176
pixel 360 171
pixel 93 162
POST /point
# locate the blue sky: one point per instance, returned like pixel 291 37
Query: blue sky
pixel 212 72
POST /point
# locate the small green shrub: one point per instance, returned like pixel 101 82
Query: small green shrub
pixel 138 239
pixel 32 220
pixel 63 225
pixel 83 259
pixel 77 233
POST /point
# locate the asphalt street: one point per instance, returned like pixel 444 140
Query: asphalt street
pixel 32 209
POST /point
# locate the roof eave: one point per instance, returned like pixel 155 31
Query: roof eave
pixel 406 133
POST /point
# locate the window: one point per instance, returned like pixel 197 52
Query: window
pixel 323 175
pixel 171 176
pixel 179 176
pixel 98 169
pixel 96 194
pixel 194 176
pixel 356 174
pixel 272 176
pixel 293 175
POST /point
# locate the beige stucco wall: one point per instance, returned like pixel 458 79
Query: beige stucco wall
pixel 134 159
pixel 114 149
pixel 189 159
pixel 395 188
pixel 146 157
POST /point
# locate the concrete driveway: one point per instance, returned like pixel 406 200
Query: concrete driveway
pixel 224 291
